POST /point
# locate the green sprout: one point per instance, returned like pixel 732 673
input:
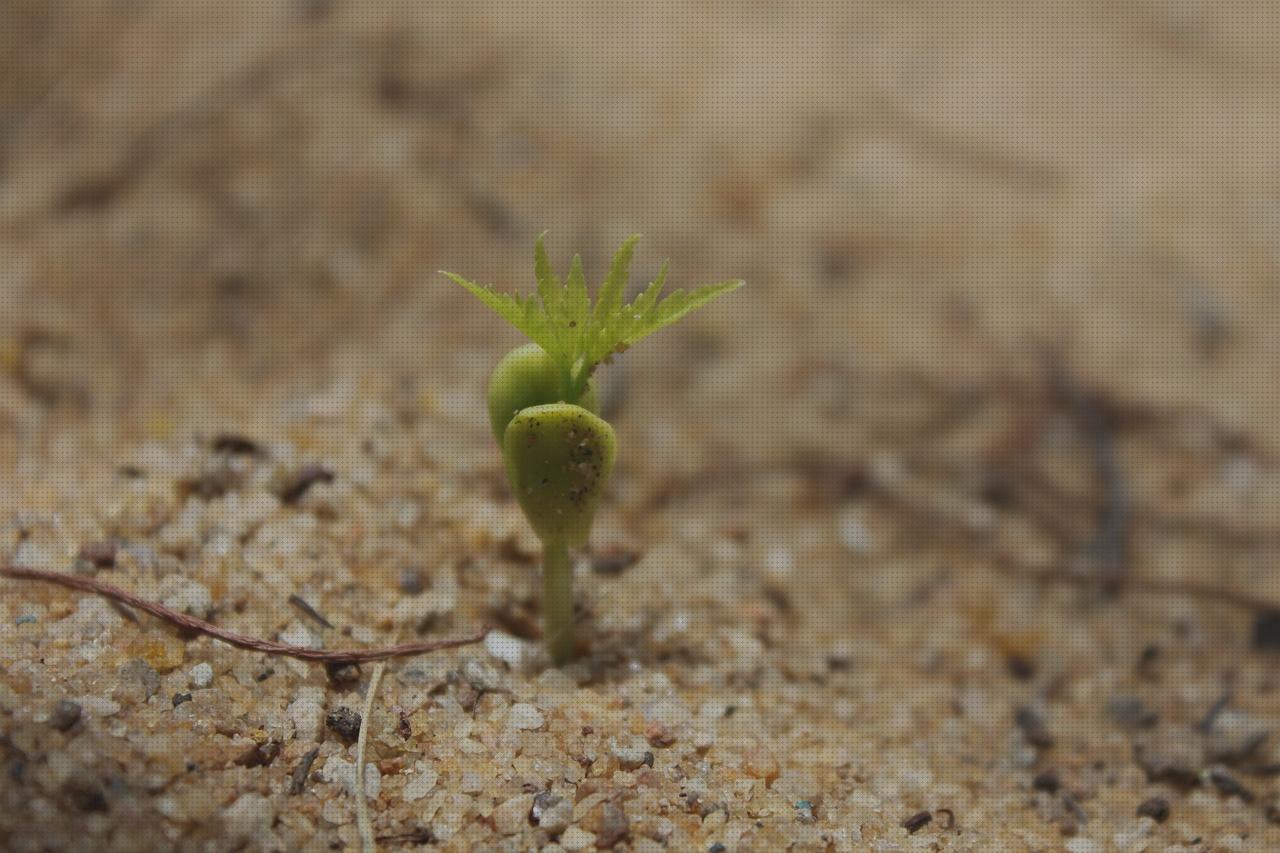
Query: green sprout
pixel 544 406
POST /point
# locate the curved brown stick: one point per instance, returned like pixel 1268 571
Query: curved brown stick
pixel 242 641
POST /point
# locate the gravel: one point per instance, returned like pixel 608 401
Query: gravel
pixel 525 717
pixel 230 377
pixel 201 675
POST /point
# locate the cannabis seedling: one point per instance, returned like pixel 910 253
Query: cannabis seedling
pixel 544 406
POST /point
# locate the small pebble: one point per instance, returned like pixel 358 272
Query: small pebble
pixel 201 675
pixel 138 680
pixel 614 826
pixel 343 773
pixel 552 812
pixel 917 822
pixel 180 698
pixel 297 634
pixel 1229 785
pixel 512 816
pixel 1033 728
pixel 855 535
pixel 507 648
pixel 659 735
pixel 412 581
pixel 576 838
pixel 525 717
pixel 249 818
pixel 1131 712
pixel 1047 781
pixel 1172 762
pixel 65 715
pixel 308 718
pixel 341 674
pixel 421 784
pixel 630 755
pixel 1266 631
pixel 345 722
pixel 1156 808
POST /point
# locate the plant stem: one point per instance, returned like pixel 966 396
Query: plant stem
pixel 557 601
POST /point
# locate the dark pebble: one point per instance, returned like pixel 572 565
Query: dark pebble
pixel 1021 668
pixel 179 698
pixel 1156 808
pixel 228 443
pixel 542 802
pixel 298 778
pixel 345 722
pixel 342 673
pixel 1229 785
pixel 1131 713
pixel 717 848
pixel 1266 631
pixel 1169 769
pixel 917 822
pixel 614 561
pixel 101 555
pixel 302 482
pixel 1033 728
pixel 1047 781
pixel 85 795
pixel 65 715
pixel 412 581
pixel 259 755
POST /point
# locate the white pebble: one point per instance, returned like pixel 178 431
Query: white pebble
pixel 421 784
pixel 343 773
pixel 298 634
pixel 506 648
pixel 513 815
pixel 576 838
pixel 854 534
pixel 98 706
pixel 308 718
pixel 186 596
pixel 201 675
pixel 524 717
pixel 249 818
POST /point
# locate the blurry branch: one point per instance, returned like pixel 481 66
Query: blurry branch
pixel 1097 526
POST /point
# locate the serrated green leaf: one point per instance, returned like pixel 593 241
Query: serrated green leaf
pixel 577 305
pixel 609 297
pixel 560 318
pixel 549 287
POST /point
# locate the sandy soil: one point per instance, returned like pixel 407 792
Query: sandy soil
pixel 956 529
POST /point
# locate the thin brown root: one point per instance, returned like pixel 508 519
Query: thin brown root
pixel 191 623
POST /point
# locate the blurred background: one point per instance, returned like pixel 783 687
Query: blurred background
pixel 1012 302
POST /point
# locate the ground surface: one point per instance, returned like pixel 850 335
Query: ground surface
pixel 1012 308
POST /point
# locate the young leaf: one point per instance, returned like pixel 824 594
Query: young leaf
pixel 576 335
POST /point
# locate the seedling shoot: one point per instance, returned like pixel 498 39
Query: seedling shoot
pixel 544 406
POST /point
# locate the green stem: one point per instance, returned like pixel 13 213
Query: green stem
pixel 557 601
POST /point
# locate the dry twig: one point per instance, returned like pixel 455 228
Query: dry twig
pixel 199 626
